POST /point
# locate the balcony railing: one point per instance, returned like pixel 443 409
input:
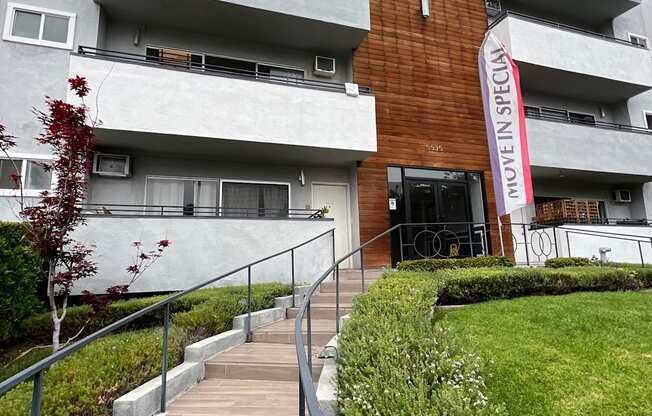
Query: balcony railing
pixel 565 116
pixel 190 211
pixel 214 70
pixel 562 26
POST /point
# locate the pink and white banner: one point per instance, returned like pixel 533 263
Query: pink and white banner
pixel 506 133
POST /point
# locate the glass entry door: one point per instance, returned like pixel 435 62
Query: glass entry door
pixel 439 212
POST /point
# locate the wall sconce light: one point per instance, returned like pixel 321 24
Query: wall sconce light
pixel 425 8
pixel 302 178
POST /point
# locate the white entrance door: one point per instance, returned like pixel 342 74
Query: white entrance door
pixel 335 197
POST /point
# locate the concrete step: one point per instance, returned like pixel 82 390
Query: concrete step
pixel 238 398
pixel 354 274
pixel 345 297
pixel 349 286
pixel 260 361
pixel 317 311
pixel 282 332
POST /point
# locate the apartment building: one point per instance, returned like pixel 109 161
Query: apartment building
pixel 586 71
pixel 236 128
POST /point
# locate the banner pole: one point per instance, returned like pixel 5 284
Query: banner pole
pixel 500 235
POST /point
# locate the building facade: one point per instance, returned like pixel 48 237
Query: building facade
pixel 240 127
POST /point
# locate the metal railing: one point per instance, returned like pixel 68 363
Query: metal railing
pixel 535 242
pixel 129 210
pixel 564 116
pixel 207 69
pixel 36 371
pixel 502 16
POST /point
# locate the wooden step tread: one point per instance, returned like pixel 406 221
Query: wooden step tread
pixel 262 354
pixel 238 398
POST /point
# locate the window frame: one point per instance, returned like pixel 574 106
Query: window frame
pixel 647 40
pixel 26 158
pixel 12 8
pixel 288 184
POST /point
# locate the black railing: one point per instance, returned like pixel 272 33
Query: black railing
pixel 562 26
pixel 37 371
pixel 529 242
pixel 565 116
pixel 202 68
pixel 189 211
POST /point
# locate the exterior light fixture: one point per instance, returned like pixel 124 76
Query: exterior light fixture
pixel 425 8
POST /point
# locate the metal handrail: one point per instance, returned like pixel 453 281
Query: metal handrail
pixel 208 69
pixel 36 371
pixel 307 392
pixel 562 26
pixel 197 211
pixel 566 118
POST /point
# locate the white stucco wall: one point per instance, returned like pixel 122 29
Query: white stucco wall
pixel 354 13
pixel 203 248
pixel 547 46
pixel 610 150
pixel 545 243
pixel 141 98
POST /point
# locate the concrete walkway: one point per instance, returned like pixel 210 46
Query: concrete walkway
pixel 261 377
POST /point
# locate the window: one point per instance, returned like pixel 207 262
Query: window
pixel 279 73
pixel 176 57
pixel 39 26
pixel 581 118
pixel 33 176
pixel 181 196
pixel 648 119
pixel 219 63
pixel 638 40
pixel 246 199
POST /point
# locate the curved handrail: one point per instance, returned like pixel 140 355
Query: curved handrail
pixel 305 374
pixel 35 370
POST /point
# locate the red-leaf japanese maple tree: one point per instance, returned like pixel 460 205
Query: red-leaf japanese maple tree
pixel 68 131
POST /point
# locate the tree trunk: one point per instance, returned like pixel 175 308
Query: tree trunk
pixel 56 321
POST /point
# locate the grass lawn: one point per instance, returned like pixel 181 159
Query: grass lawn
pixel 579 354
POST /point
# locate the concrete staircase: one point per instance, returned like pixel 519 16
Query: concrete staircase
pixel 261 377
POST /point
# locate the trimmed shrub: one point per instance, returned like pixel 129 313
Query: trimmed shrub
pixel 559 262
pixel 20 273
pixel 478 285
pixel 432 265
pixel 88 381
pixel 38 328
pixel 406 363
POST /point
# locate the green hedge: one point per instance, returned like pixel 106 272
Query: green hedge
pixel 87 382
pixel 20 273
pixel 478 285
pixel 38 328
pixel 559 262
pixel 406 363
pixel 432 265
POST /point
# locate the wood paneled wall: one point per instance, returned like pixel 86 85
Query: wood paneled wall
pixel 424 75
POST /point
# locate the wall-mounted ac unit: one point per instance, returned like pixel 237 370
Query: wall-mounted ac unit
pixel 117 166
pixel 493 7
pixel 324 66
pixel 622 195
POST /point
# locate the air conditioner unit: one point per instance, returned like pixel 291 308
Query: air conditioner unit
pixel 324 66
pixel 117 166
pixel 622 195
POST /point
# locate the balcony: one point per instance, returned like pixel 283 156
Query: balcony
pixel 572 62
pixel 307 24
pixel 170 107
pixel 589 12
pixel 559 140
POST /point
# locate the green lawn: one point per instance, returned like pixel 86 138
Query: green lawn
pixel 579 354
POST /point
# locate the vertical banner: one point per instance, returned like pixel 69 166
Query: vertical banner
pixel 506 133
